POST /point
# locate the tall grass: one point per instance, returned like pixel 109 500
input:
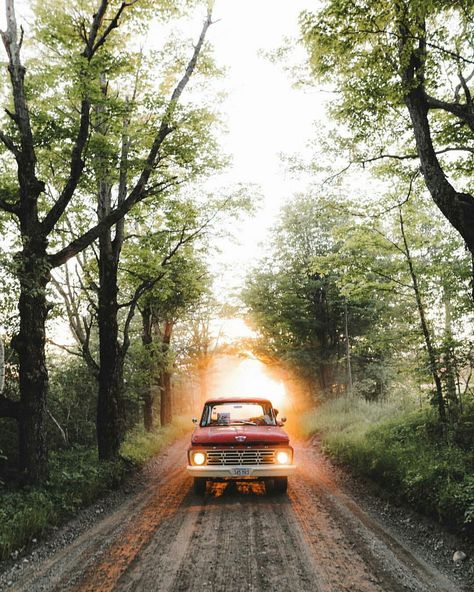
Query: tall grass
pixel 406 451
pixel 352 416
pixel 139 445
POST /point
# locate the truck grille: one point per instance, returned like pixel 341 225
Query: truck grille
pixel 256 456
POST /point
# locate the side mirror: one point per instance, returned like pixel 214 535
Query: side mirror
pixel 195 420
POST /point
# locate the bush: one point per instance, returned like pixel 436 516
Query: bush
pixel 77 478
pixel 407 452
pixel 140 445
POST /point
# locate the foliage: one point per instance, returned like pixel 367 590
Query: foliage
pixel 83 126
pixel 140 445
pixel 413 263
pixel 298 299
pixel 72 402
pixel 405 452
pixel 356 47
pixel 76 480
pixel 401 71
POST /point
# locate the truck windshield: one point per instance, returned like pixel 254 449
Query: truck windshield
pixel 234 413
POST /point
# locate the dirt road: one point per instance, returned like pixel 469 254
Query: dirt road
pixel 239 539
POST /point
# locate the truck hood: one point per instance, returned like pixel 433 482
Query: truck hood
pixel 227 435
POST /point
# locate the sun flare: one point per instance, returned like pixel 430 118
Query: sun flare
pixel 248 377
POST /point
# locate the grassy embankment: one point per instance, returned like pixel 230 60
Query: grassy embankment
pixel 76 480
pixel 405 451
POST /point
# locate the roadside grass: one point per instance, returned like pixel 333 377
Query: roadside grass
pixel 406 452
pixel 77 479
pixel 139 446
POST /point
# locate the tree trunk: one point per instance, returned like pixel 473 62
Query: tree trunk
pixel 166 410
pixel 110 408
pixel 457 207
pixel 348 349
pixel 148 412
pixel 166 407
pixel 149 394
pixel 109 405
pixel 30 346
pixel 439 398
pixel 449 357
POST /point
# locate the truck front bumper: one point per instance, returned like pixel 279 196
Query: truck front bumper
pixel 241 472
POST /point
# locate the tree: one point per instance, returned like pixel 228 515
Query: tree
pixel 170 263
pixel 160 309
pixel 406 256
pixel 39 213
pixel 382 57
pixel 197 339
pixel 301 312
pixel 180 299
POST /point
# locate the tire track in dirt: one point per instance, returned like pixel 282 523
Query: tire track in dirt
pixel 237 538
pixel 382 561
pixel 161 558
pixel 244 542
pixel 67 567
pixel 105 574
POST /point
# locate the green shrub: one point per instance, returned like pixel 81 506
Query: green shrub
pixel 77 478
pixel 23 516
pixel 407 452
pixel 140 445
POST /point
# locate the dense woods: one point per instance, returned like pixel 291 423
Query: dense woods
pixel 377 275
pixel 101 158
pixel 364 294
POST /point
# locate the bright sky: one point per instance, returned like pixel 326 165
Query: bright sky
pixel 265 115
pixel 230 376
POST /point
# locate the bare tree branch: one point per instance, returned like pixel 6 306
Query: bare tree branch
pixel 69 350
pixel 58 425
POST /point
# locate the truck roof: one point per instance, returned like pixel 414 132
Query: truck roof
pixel 238 399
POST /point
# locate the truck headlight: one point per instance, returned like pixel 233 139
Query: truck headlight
pixel 199 458
pixel 282 457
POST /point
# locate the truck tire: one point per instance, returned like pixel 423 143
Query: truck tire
pixel 280 484
pixel 200 485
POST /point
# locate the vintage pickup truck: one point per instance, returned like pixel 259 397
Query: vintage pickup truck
pixel 237 439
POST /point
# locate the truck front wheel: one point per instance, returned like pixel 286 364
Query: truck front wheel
pixel 280 484
pixel 199 485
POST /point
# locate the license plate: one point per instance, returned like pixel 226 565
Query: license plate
pixel 240 472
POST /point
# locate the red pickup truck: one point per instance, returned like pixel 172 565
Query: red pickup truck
pixel 237 439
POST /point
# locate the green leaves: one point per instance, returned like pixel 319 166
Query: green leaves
pixel 295 298
pixel 365 49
